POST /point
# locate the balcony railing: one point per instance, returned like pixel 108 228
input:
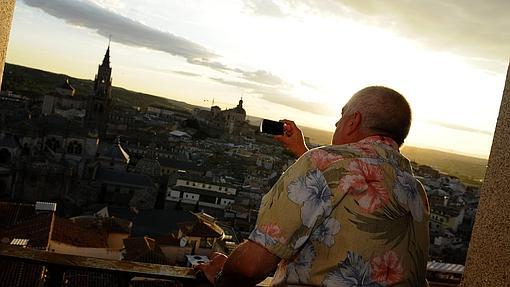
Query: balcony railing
pixel 58 264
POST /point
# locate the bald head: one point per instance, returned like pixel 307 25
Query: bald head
pixel 383 111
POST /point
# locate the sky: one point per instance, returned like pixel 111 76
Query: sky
pixel 293 59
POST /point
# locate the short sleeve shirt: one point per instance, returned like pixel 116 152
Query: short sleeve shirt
pixel 347 215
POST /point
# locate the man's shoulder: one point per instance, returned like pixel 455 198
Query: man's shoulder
pixel 345 151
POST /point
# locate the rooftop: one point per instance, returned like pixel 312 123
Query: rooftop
pixel 126 178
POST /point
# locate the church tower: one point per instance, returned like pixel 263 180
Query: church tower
pixel 100 102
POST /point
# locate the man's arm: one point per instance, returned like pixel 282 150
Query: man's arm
pixel 249 264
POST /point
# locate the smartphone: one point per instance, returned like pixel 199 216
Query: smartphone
pixel 271 127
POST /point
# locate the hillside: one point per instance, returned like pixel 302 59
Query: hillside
pixel 470 170
pixel 33 82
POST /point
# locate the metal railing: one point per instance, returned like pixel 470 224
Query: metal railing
pixel 57 265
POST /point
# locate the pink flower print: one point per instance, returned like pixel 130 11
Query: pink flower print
pixel 365 149
pixel 386 269
pixel 380 139
pixel 388 141
pixel 365 183
pixel 323 159
pixel 273 231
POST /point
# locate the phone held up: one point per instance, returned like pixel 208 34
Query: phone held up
pixel 271 127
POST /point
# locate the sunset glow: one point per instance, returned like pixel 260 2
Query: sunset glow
pixel 287 59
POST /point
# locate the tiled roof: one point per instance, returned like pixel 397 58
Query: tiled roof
pixel 122 177
pixel 115 152
pixel 14 213
pixel 69 232
pixel 36 229
pixel 127 213
pixel 108 224
pixel 204 225
pixel 168 240
pixel 53 124
pixel 151 222
pixel 179 164
pixel 200 229
pixel 157 222
pixel 144 249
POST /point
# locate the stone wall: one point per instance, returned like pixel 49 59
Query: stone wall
pixel 488 261
pixel 6 12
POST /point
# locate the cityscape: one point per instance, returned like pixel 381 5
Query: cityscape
pixel 157 184
pixel 108 178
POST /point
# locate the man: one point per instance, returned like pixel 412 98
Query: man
pixel 348 214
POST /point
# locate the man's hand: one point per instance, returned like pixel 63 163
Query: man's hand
pixel 213 267
pixel 292 138
pixel 248 264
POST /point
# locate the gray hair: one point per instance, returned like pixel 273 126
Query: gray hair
pixel 383 111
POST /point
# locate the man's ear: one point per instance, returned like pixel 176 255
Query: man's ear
pixel 354 123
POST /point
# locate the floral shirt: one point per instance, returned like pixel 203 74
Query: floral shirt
pixel 347 215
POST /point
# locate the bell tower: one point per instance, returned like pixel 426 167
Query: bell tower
pixel 100 102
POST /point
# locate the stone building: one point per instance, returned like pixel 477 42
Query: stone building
pixel 189 193
pixel 63 101
pixel 217 121
pixel 99 103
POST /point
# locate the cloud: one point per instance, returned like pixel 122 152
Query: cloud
pixel 239 84
pixel 278 95
pixel 264 7
pixel 475 29
pixel 310 86
pixel 95 16
pixel 262 77
pixel 124 30
pixel 184 73
pixel 461 128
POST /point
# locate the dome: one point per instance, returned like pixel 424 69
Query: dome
pixel 239 109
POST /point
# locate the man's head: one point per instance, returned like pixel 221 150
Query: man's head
pixel 374 110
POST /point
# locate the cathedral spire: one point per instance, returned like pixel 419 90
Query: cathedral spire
pixel 106 60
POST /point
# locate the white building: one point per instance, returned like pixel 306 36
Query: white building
pixel 206 194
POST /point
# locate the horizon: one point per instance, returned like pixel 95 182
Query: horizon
pixel 197 52
pixel 258 118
